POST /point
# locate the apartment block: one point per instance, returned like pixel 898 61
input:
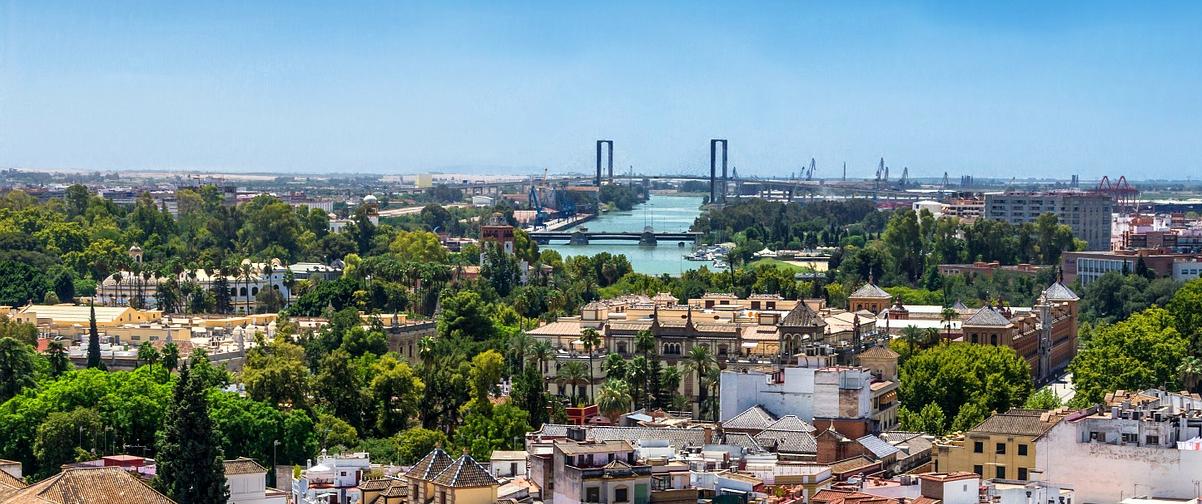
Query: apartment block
pixel 1088 214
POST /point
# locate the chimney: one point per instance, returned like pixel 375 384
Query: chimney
pixel 709 434
pixel 576 433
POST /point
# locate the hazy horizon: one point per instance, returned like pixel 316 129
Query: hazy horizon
pixel 1016 89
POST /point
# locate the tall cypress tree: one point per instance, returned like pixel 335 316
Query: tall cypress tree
pixel 93 339
pixel 189 467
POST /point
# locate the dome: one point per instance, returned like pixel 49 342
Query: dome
pixel 370 198
pixel 135 248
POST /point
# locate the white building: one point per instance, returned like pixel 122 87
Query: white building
pixel 247 482
pixel 333 479
pixel 244 284
pixel 1126 447
pixel 805 391
pixel 507 464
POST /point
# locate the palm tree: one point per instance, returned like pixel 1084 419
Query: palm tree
pixel 614 367
pixel 425 349
pixel 699 361
pixel 1190 370
pixel 614 398
pixel 591 341
pixel 573 375
pixel 519 346
pixel 644 343
pixel 947 316
pixel 636 376
pixel 542 352
pixel 712 380
pixel 930 337
pixel 911 335
pixel 669 382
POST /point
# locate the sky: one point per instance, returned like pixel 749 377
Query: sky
pixel 1015 88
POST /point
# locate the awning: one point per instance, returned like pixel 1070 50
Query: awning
pixel 751 344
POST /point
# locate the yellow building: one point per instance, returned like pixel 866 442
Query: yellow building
pixel 66 316
pixel 1003 446
pixel 465 482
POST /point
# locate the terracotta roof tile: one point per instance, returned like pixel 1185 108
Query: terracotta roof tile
pixel 1019 422
pixel 243 465
pixel 465 473
pixel 430 465
pixel 93 485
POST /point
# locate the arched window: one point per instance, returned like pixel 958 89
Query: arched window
pixel 993 339
pixel 254 291
pixel 975 339
pixel 242 291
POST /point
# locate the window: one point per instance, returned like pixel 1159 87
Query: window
pixel 978 447
pixel 1022 474
pixel 591 494
pixel 621 348
pixel 442 497
pixel 1097 436
pixel 1152 440
pixel 993 339
pixel 1130 438
pixel 1000 473
pixel 1001 449
pixel 1022 449
pixel 979 470
pixel 622 494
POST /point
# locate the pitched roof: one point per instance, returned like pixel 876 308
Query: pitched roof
pixel 755 418
pixel 430 465
pixel 9 484
pixel 787 441
pixel 879 447
pixel 742 440
pixel 834 496
pixel 987 317
pixel 791 423
pixel 1019 422
pixel 879 352
pixel 909 443
pixel 93 485
pixel 1058 292
pixel 852 464
pixel 465 472
pixel 802 316
pixel 676 437
pixel 869 290
pixel 243 465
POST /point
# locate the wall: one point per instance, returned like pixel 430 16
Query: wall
pixel 1108 473
pixel 743 390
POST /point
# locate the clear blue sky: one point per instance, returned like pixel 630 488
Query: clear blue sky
pixel 1018 88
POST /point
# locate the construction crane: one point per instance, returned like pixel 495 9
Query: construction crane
pixel 810 172
pixel 943 188
pixel 905 178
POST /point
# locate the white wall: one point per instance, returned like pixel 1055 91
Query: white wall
pixel 743 390
pixel 1109 473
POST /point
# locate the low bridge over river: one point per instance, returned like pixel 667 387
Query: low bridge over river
pixel 647 237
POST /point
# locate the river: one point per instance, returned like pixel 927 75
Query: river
pixel 662 212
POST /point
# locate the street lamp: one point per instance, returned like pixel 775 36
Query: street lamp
pixel 274 444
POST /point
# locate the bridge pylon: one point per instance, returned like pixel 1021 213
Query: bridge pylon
pixel 610 156
pixel 714 186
